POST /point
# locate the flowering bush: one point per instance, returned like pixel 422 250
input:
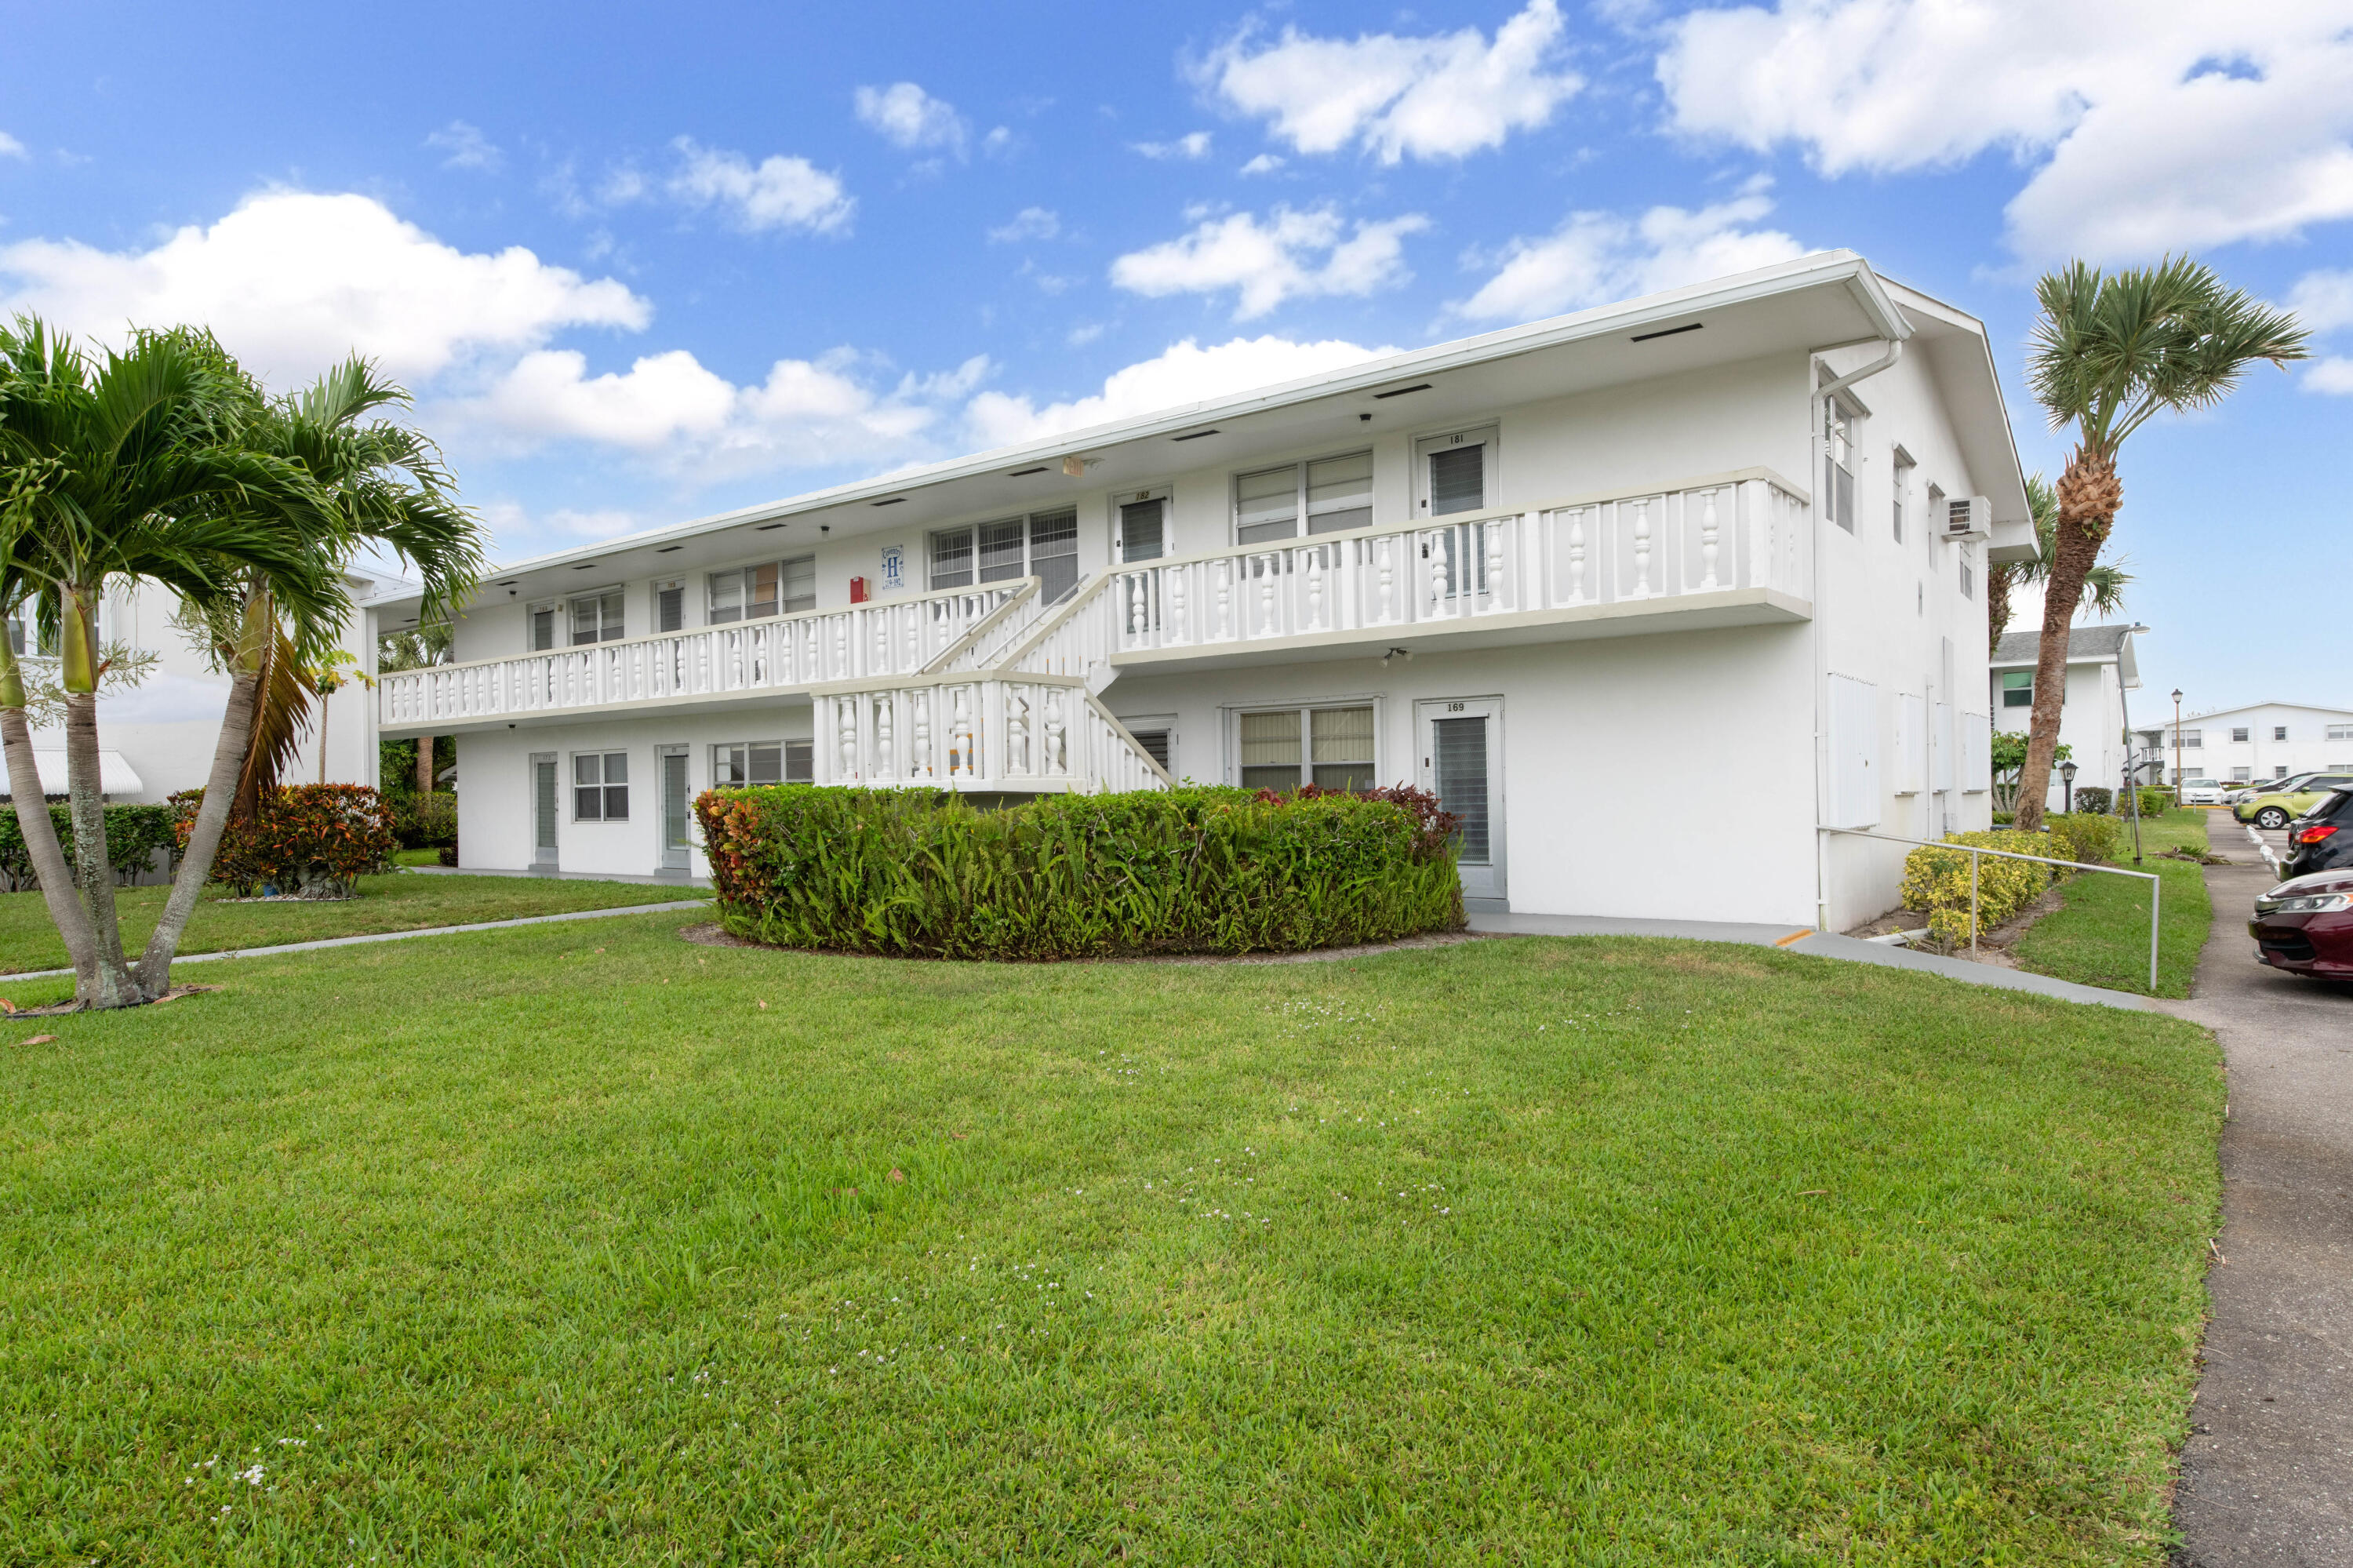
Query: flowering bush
pixel 1195 870
pixel 315 840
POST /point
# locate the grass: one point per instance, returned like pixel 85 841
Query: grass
pixel 417 857
pixel 395 902
pixel 585 1245
pixel 2100 935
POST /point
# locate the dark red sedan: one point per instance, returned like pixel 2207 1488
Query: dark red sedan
pixel 2304 925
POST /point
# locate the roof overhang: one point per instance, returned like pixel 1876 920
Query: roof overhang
pixel 1825 300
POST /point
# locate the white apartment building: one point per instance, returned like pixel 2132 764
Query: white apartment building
pixel 2247 744
pixel 2094 709
pixel 1649 595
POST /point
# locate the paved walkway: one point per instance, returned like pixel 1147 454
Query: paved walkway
pixel 1804 940
pixel 398 935
pixel 2267 1477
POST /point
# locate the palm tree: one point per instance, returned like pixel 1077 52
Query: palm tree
pixel 116 472
pixel 2111 351
pixel 2104 584
pixel 417 648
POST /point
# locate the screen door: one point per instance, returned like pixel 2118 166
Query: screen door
pixel 1462 764
pixel 544 798
pixel 671 759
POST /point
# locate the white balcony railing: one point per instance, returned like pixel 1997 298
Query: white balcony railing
pixel 1745 530
pixel 883 640
pixel 989 733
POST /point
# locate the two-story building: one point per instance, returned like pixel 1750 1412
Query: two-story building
pixel 2249 745
pixel 1649 595
pixel 2095 704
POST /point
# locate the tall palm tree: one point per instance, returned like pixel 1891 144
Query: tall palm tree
pixel 420 648
pixel 2110 351
pixel 2104 584
pixel 118 470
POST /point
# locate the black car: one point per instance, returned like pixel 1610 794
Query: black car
pixel 2322 839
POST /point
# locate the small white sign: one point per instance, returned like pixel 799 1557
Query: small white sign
pixel 894 569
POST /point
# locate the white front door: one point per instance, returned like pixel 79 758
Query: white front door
pixel 1462 754
pixel 675 796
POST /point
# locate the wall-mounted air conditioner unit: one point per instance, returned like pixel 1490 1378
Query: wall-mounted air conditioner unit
pixel 1968 518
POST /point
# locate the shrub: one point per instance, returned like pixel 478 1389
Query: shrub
pixel 314 839
pixel 2086 837
pixel 425 821
pixel 134 834
pixel 1937 881
pixel 2156 799
pixel 1193 869
pixel 2092 798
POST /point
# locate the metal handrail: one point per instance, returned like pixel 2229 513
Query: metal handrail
pixel 2156 884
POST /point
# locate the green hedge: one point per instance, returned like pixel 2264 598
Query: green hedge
pixel 424 822
pixel 916 873
pixel 134 834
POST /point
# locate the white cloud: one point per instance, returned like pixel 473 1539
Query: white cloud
pixel 2155 124
pixel 1187 373
pixel 293 281
pixel 467 146
pixel 2323 302
pixel 1429 98
pixel 1188 147
pixel 1030 223
pixel 1267 263
pixel 12 148
pixel 779 192
pixel 906 116
pixel 509 521
pixel 1595 258
pixel 1265 164
pixel 2330 375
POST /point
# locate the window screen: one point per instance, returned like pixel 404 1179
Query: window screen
pixel 1332 493
pixel 772 588
pixel 952 558
pixel 1271 751
pixel 1142 527
pixel 1266 504
pixel 1460 766
pixel 2239 734
pixel 600 787
pixel 799 587
pixel 2017 689
pixel 1341 743
pixel 735 764
pixel 1054 553
pixel 1338 753
pixel 670 607
pixel 1340 493
pixel 1458 480
pixel 596 618
pixel 542 628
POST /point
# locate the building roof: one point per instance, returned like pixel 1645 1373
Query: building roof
pixel 2085 645
pixel 1832 297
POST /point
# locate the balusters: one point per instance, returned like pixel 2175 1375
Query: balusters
pixel 1314 587
pixel 1134 607
pixel 1498 564
pixel 1438 544
pixel 845 729
pixel 886 761
pixel 1270 621
pixel 1707 530
pixel 1576 556
pixel 1225 597
pixel 1017 731
pixel 1173 631
pixel 1388 578
pixel 1643 548
pixel 1056 764
pixel 961 756
pixel 921 764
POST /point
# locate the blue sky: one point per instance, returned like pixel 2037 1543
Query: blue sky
pixel 641 264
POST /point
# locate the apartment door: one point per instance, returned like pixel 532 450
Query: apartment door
pixel 1462 741
pixel 671 761
pixel 545 795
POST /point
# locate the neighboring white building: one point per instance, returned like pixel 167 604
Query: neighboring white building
pixel 157 737
pixel 1627 588
pixel 2264 740
pixel 2094 709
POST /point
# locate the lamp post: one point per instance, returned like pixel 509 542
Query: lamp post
pixel 2067 783
pixel 2177 746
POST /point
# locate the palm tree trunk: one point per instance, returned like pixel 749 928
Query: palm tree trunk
pixel 425 764
pixel 41 835
pixel 204 834
pixel 2000 575
pixel 111 983
pixel 2088 495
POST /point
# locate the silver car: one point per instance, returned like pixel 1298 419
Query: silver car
pixel 2201 793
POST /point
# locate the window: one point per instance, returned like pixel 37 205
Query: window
pixel 1331 493
pixel 2238 735
pixel 756 592
pixel 2017 688
pixel 737 763
pixel 1903 466
pixel 1338 753
pixel 1838 462
pixel 1155 743
pixel 669 606
pixel 2279 732
pixel 1045 546
pixel 600 787
pixel 2340 732
pixel 596 618
pixel 1968 557
pixel 2279 772
pixel 1143 528
pixel 543 626
pixel 2242 775
pixel 1458 471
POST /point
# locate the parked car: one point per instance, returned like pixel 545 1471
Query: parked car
pixel 2286 786
pixel 2201 791
pixel 2277 808
pixel 2322 839
pixel 2304 925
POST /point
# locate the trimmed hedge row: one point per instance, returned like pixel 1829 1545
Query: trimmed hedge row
pixel 134 834
pixel 1937 880
pixel 920 875
pixel 313 839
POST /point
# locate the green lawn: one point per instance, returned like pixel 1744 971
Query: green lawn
pixel 395 902
pixel 2101 936
pixel 582 1245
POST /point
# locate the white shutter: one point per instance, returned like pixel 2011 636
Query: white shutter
pixel 1908 769
pixel 1854 753
pixel 1977 754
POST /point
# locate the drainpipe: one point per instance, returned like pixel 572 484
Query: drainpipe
pixel 1814 626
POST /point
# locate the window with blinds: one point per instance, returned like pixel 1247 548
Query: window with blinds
pixel 1459 766
pixel 734 764
pixel 543 628
pixel 596 618
pixel 1330 494
pixel 1457 471
pixel 1286 747
pixel 670 607
pixel 1143 528
pixel 1043 545
pixel 771 588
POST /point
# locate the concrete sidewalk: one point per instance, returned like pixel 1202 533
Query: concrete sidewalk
pixel 2267 1475
pixel 1821 944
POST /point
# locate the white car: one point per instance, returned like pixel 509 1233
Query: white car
pixel 2201 791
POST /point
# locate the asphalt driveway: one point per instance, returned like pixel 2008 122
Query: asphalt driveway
pixel 2267 1477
